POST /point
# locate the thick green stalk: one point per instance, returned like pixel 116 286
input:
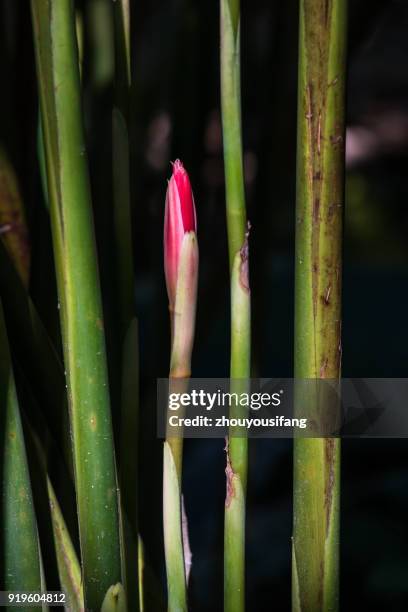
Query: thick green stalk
pixel 319 211
pixel 21 565
pixel 237 447
pixel 79 295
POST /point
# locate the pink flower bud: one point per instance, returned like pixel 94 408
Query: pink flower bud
pixel 180 218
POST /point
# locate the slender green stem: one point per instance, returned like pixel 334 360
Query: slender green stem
pixel 320 198
pixel 231 125
pixel 234 536
pixel 79 295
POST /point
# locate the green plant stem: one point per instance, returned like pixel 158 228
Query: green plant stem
pixel 79 295
pixel 231 125
pixel 234 535
pixel 319 211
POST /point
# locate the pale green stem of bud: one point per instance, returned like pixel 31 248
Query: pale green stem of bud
pixel 183 325
pixel 183 316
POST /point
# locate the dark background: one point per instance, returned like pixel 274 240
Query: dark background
pixel 175 113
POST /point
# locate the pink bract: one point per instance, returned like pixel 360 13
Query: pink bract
pixel 180 218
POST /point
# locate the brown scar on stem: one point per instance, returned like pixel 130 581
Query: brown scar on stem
pixel 244 267
pixel 230 474
pixel 339 347
pixel 326 297
pixel 323 367
pixel 309 114
pixel 309 117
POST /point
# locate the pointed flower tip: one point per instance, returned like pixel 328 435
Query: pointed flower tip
pixel 185 194
pixel 177 166
pixel 180 218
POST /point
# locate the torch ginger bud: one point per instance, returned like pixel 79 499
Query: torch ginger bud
pixel 181 268
pixel 179 220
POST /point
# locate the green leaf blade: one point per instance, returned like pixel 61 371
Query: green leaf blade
pixel 21 552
